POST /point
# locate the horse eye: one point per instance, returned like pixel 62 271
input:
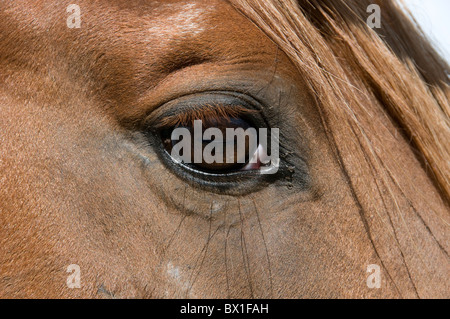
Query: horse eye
pixel 216 146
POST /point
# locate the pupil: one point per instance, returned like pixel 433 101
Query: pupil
pixel 231 153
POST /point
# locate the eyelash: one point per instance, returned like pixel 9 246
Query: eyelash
pixel 204 113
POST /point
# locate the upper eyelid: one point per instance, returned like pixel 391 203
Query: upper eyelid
pixel 202 106
pixel 204 113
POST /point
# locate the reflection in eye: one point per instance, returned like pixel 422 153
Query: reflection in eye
pixel 225 144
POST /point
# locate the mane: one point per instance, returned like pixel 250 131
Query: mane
pixel 352 70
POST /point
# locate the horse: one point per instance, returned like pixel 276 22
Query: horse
pixel 92 205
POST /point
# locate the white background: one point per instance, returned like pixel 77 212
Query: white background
pixel 434 18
